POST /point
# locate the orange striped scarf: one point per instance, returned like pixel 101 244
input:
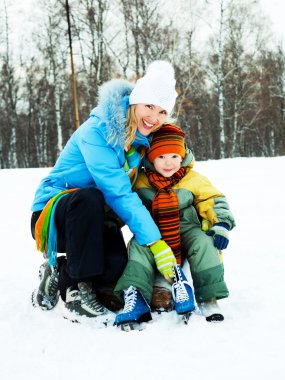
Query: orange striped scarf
pixel 165 208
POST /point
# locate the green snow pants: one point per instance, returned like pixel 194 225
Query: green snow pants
pixel 205 262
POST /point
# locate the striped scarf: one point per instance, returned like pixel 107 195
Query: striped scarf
pixel 165 208
pixel 45 229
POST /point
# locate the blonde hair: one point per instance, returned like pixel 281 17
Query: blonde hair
pixel 132 125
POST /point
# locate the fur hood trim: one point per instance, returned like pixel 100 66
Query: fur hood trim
pixel 113 102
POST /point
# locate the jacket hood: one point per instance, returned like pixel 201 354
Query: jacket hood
pixel 189 159
pixel 113 102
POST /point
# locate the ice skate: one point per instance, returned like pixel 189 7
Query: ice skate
pixel 82 303
pixel 46 296
pixel 182 294
pixel 136 310
pixel 211 311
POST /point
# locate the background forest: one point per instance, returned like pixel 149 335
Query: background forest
pixel 230 80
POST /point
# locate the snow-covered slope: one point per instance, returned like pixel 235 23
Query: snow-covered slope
pixel 249 344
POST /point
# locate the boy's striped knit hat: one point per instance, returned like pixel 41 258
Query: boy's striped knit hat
pixel 168 139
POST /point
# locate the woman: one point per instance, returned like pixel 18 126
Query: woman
pixel 77 207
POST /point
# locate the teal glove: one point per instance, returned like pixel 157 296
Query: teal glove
pixel 164 259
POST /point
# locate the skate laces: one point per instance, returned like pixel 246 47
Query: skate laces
pixel 179 292
pixel 53 282
pixel 89 298
pixel 130 299
pixel 94 304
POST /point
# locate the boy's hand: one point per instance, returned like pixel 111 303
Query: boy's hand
pixel 220 234
pixel 164 259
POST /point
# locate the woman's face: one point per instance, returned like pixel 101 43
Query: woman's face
pixel 149 117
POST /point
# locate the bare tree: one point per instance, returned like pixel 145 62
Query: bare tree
pixel 220 79
pixel 270 130
pixel 150 38
pixel 231 94
pixel 9 94
pixel 89 23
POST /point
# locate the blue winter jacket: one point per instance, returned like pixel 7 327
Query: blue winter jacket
pixel 94 157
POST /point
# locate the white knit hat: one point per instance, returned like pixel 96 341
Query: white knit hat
pixel 156 87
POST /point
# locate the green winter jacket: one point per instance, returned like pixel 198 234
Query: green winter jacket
pixel 199 200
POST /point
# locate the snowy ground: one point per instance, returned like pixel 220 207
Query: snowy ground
pixel 250 344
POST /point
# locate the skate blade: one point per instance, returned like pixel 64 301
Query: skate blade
pixel 138 324
pixel 99 321
pixel 34 298
pixel 186 317
pixel 163 310
pixel 131 326
pixel 217 317
pixel 46 304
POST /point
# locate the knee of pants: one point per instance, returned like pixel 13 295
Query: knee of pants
pixel 203 255
pixel 89 194
pixel 89 199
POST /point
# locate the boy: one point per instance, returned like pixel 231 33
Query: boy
pixel 184 204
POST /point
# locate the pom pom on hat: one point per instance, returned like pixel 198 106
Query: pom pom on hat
pixel 168 139
pixel 157 67
pixel 156 87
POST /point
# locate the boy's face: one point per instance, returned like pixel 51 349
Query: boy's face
pixel 168 164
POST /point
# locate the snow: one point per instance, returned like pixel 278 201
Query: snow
pixel 249 344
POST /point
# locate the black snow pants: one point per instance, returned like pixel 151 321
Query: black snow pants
pixel 93 243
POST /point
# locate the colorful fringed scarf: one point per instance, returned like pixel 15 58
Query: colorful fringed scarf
pixel 165 208
pixel 45 229
pixel 134 155
pixel 133 159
